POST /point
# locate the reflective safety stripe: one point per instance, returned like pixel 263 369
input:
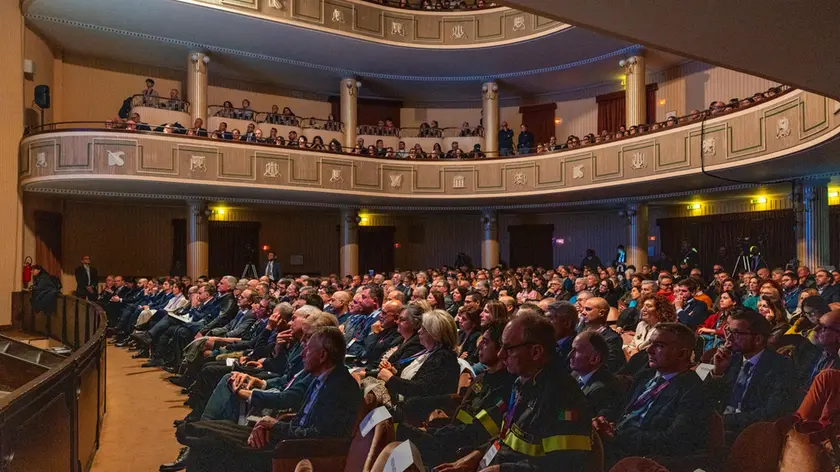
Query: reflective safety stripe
pixel 563 442
pixel 487 421
pixel 464 417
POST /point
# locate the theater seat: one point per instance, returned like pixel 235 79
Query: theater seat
pixel 709 460
pixel 798 455
pixel 325 454
pixel 364 450
pixel 757 449
pixel 638 464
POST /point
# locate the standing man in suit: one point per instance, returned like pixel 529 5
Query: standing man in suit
pixel 602 390
pixel 272 268
pixel 328 410
pixel 750 382
pixel 86 280
pixel 668 413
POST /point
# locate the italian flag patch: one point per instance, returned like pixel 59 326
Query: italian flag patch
pixel 568 415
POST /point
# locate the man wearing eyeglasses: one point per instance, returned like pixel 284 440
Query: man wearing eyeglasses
pixel 546 421
pixel 812 358
pixel 749 382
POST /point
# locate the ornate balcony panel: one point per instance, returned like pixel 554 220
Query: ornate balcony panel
pixel 365 20
pixel 730 146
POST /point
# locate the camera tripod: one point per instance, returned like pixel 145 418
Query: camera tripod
pixel 742 263
pixel 250 271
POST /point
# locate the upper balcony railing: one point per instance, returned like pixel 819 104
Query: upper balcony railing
pixel 677 158
pixel 440 6
pixel 173 104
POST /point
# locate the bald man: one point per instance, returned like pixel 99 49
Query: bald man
pixel 595 311
pixel 812 358
pixel 385 336
pixel 339 305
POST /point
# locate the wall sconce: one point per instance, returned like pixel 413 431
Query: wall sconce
pixel 693 206
pixel 758 200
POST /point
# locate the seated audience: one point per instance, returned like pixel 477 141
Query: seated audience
pixel 712 330
pixel 654 309
pixel 595 312
pixel 602 390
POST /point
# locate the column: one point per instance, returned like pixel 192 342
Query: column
pixel 349 253
pixel 635 104
pixel 11 130
pixel 810 201
pixel 197 85
pixel 349 108
pixel 198 249
pixel 637 234
pixel 490 105
pixel 490 239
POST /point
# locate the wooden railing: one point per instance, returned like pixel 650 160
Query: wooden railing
pixel 52 422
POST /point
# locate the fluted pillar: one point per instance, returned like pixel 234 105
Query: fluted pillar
pixel 490 239
pixel 811 207
pixel 637 234
pixel 490 105
pixel 198 249
pixel 349 255
pixel 197 85
pixel 349 110
pixel 11 130
pixel 635 104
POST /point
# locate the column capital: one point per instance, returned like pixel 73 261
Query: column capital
pixel 490 90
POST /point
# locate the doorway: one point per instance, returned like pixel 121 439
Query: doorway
pixel 376 248
pixel 531 245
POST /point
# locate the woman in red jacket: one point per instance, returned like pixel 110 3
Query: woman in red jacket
pixel 712 329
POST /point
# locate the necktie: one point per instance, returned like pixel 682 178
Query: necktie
pixel 310 400
pixel 581 383
pixel 741 385
pixel 268 269
pixel 644 401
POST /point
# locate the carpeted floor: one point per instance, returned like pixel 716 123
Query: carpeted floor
pixel 137 435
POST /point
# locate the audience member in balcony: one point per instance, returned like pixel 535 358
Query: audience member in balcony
pixel 288 117
pixel 390 129
pixel 273 117
pixel 465 130
pixel 335 145
pixel 130 126
pixel 318 144
pixel 302 142
pixel 402 152
pixel 174 103
pixel 357 150
pixel 150 95
pixel 717 107
pixel 412 154
pixel 198 129
pixel 477 153
pixel 427 5
pixel 258 135
pixel 541 149
pixel 331 124
pixel 435 131
pixel 451 154
pixel 250 136
pixel 525 141
pixel 227 110
pixel 272 136
pixel 370 151
pixel 424 130
pixel 293 138
pixel 380 148
pixel 236 135
pixel 245 112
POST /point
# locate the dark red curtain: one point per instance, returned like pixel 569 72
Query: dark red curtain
pixel 48 241
pixel 540 121
pixel 611 109
pixel 715 236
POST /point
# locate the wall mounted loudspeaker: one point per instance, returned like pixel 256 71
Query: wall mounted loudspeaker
pixel 42 96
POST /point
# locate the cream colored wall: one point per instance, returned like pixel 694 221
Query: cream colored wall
pixel 577 117
pixel 262 97
pixel 694 85
pixel 94 89
pixel 38 51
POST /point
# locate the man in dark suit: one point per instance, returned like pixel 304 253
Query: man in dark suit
pixel 690 311
pixel 272 267
pixel 602 390
pixel 667 412
pixel 595 311
pixel 329 409
pixel 749 382
pixel 812 358
pixel 563 317
pixel 830 293
pixel 86 280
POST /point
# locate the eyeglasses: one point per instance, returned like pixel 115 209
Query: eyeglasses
pixel 507 349
pixel 822 327
pixel 728 333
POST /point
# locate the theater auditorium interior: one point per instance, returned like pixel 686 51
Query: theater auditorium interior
pixel 419 235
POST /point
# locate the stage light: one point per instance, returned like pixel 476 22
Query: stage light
pixel 558 121
pixel 693 206
pixel 759 200
pixel 266 247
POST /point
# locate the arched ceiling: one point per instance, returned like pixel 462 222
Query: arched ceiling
pixel 162 32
